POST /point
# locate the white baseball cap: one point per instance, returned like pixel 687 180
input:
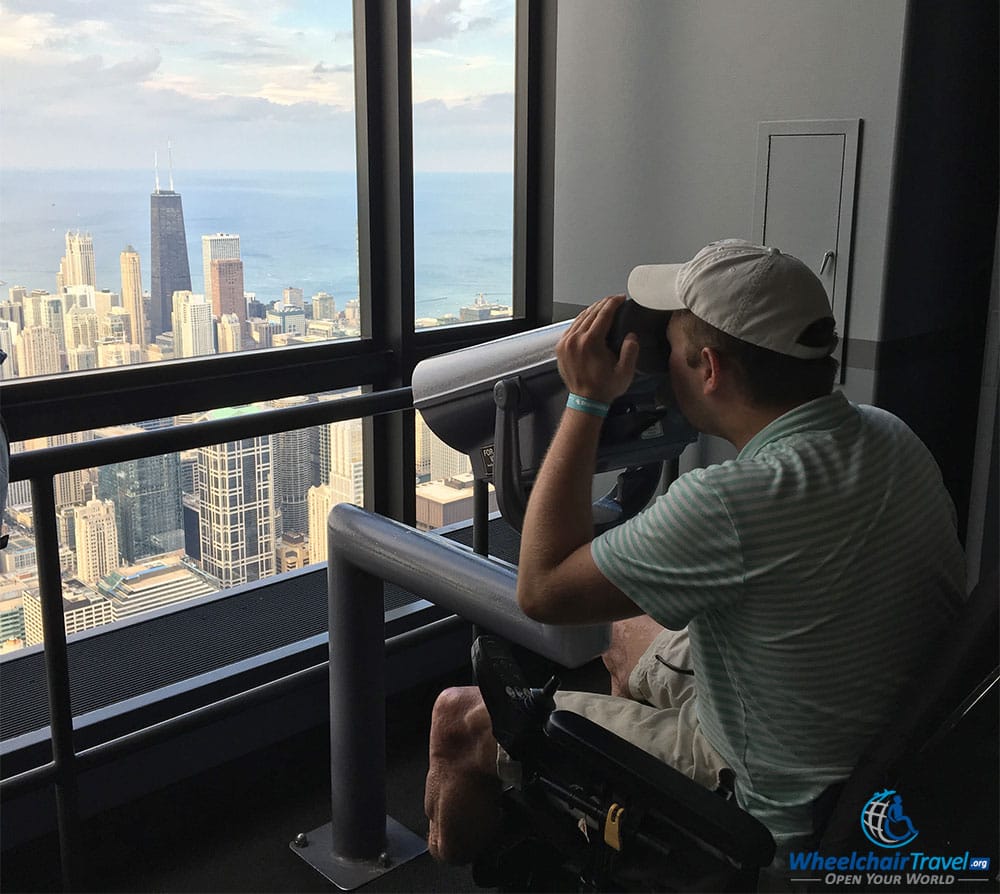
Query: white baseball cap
pixel 751 292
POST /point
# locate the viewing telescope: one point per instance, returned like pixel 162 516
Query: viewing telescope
pixel 500 404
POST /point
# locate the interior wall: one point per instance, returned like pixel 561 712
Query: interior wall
pixel 656 126
pixel 657 108
pixel 656 133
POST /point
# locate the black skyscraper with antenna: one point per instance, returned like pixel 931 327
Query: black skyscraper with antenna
pixel 170 270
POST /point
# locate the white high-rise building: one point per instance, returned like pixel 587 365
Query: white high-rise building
pixel 117 353
pixel 70 487
pixel 132 294
pixel 81 328
pixel 78 296
pixel 422 435
pixel 321 500
pixel 194 329
pixel 347 470
pixel 37 352
pixel 53 315
pixel 8 338
pixel 116 325
pixel 217 247
pixel 445 462
pixel 32 307
pixel 78 267
pixel 230 334
pixel 238 528
pixel 96 540
pixel 81 358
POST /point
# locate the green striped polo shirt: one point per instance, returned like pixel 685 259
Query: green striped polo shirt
pixel 813 572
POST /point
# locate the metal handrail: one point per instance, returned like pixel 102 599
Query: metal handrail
pixel 128 743
pixel 364 550
pixel 71 457
pixel 38 467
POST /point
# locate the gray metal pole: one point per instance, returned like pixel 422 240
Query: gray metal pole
pixel 57 675
pixel 363 550
pixel 357 710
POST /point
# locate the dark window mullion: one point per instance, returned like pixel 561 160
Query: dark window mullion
pixel 534 159
pixel 385 232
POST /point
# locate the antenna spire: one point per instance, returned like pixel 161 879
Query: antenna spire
pixel 156 171
pixel 170 163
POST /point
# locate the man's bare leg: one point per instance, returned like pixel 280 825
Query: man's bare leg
pixel 462 796
pixel 629 640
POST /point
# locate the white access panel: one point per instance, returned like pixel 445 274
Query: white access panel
pixel 804 199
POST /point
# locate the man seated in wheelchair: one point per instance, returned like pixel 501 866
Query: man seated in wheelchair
pixel 767 609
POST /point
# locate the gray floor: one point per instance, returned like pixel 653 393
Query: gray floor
pixel 230 830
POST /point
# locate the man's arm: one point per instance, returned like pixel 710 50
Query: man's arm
pixel 558 581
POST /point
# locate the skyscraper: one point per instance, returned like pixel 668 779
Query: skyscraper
pixel 8 338
pixel 324 306
pixel 78 267
pixel 116 325
pixel 170 271
pixel 132 294
pixel 70 487
pixel 96 540
pixel 238 528
pixel 229 334
pixel 81 328
pixel 445 462
pixel 226 277
pixel 147 494
pixel 38 352
pixel 116 353
pixel 194 331
pixel 347 470
pixel 292 473
pixel 321 500
pixel 218 247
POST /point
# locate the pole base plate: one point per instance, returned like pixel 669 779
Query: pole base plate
pixel 314 847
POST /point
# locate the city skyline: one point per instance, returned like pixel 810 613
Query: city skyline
pixel 241 114
pixel 143 534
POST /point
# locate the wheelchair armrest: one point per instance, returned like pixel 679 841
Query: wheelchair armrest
pixel 703 816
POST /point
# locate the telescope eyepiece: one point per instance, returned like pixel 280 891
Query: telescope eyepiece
pixel 651 328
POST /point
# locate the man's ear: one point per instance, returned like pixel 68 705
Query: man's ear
pixel 711 370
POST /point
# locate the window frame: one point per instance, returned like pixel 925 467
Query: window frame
pixel 389 347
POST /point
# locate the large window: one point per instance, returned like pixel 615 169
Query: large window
pixel 463 201
pixel 178 181
pixel 203 201
pixel 463 160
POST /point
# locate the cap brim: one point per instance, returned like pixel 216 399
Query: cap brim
pixel 655 286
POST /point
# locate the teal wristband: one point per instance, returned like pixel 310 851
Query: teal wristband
pixel 586 405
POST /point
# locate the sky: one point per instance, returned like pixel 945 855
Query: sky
pixel 241 84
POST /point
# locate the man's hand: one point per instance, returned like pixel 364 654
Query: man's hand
pixel 586 363
pixel 557 580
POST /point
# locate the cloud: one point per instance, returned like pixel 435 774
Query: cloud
pixel 323 68
pixel 476 133
pixel 133 70
pixel 247 83
pixel 436 20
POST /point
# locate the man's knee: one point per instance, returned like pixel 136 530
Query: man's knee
pixel 461 729
pixel 629 640
pixel 462 794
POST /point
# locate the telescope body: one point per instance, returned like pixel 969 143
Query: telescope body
pixel 455 393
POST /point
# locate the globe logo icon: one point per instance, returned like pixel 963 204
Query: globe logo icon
pixel 884 822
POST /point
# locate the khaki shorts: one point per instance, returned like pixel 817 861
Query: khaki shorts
pixel 661 717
